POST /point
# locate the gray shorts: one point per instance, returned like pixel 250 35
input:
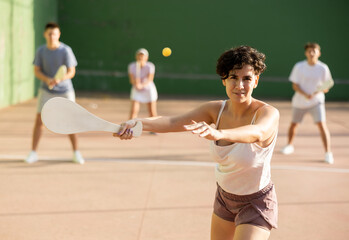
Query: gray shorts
pixel 259 209
pixel 317 112
pixel 44 96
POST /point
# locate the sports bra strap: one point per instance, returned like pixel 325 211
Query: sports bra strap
pixel 220 113
pixel 255 114
pixel 222 108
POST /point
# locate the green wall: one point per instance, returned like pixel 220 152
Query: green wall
pixel 21 26
pixel 104 35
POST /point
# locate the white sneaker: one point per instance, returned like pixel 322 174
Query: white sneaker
pixel 78 158
pixel 329 158
pixel 32 157
pixel 288 149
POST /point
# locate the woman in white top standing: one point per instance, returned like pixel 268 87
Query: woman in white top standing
pixel 242 144
pixel 141 75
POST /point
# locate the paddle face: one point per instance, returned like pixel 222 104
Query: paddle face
pixel 61 72
pixel 326 85
pixel 60 115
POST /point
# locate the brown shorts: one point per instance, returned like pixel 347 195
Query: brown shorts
pixel 258 208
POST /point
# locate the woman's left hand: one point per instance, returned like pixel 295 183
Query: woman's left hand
pixel 204 130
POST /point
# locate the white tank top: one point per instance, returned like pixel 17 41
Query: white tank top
pixel 243 168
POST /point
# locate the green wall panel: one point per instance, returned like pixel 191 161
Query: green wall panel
pixel 104 35
pixel 21 27
pixel 5 39
pixel 44 11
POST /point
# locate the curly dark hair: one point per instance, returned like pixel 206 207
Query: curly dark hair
pixel 236 58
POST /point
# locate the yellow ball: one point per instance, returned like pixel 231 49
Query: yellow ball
pixel 166 51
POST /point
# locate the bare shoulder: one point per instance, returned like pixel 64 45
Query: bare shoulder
pixel 211 109
pixel 271 108
pixel 267 109
pixel 212 106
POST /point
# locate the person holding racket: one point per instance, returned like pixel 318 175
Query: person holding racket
pixel 308 77
pixel 242 132
pixel 141 76
pixel 48 59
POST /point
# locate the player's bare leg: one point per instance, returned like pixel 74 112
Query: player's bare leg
pixel 77 157
pixel 292 132
pixel 74 141
pixel 152 112
pixel 37 132
pixel 152 109
pixel 251 232
pixel 288 149
pixel 134 109
pixel 326 140
pixel 221 229
pixel 325 135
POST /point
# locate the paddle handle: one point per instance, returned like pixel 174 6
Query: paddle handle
pixel 114 128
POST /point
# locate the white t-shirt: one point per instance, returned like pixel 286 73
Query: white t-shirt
pixel 309 78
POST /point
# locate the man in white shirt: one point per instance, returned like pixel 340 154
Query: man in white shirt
pixel 306 77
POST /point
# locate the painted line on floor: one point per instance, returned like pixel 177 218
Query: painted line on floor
pixel 182 163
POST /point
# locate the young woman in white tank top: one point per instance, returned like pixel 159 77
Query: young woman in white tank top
pixel 242 144
pixel 243 168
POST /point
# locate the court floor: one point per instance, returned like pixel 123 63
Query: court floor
pixel 158 187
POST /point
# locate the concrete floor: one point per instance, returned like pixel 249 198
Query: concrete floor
pixel 158 187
